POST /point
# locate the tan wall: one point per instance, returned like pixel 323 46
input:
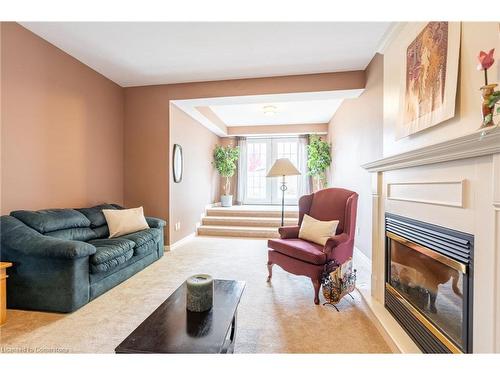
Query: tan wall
pixel 146 151
pixel 200 181
pixel 262 86
pixel 62 128
pixel 147 145
pixel 355 132
pixel 277 129
pixel 475 36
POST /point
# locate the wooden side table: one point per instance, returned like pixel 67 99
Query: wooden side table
pixel 3 291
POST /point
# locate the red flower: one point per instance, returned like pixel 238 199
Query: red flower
pixel 485 60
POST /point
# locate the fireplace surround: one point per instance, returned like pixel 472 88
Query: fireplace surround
pixel 452 181
pixel 429 283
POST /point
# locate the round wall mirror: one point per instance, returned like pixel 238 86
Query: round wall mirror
pixel 177 163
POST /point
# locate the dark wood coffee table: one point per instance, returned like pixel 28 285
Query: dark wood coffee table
pixel 173 329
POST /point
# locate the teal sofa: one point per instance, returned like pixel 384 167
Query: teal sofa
pixel 63 258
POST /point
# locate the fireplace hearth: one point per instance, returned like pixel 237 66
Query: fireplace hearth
pixel 429 283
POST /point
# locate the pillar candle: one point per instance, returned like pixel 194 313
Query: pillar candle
pixel 200 291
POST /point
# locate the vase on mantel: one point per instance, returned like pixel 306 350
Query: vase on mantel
pixel 487 112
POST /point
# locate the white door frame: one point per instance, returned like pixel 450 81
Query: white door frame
pixel 273 194
pixel 267 199
pixel 277 181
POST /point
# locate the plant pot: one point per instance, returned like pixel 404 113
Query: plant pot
pixel 226 200
pixel 487 112
pixel 318 183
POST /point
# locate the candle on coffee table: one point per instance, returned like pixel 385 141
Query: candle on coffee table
pixel 200 292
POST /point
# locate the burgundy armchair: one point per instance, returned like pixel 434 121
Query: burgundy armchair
pixel 305 258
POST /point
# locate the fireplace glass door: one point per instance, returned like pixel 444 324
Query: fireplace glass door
pixel 431 282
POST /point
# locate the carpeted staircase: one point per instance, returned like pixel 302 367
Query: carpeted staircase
pixel 245 221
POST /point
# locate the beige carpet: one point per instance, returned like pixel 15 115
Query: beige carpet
pixel 273 318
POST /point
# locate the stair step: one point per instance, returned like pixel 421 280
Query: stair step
pixel 237 231
pixel 247 221
pixel 244 212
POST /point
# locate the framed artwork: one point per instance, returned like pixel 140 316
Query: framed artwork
pixel 429 85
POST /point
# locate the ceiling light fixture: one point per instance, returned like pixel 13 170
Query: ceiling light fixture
pixel 269 110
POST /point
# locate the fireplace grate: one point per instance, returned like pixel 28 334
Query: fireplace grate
pixel 422 336
pixel 429 283
pixel 442 240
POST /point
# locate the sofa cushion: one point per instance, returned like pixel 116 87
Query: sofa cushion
pixel 73 234
pixel 299 249
pixel 102 231
pixel 121 222
pixel 317 231
pixel 110 253
pixel 146 248
pixel 95 215
pixel 145 240
pixel 143 236
pixel 53 219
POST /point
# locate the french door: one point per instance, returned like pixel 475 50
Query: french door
pixel 260 156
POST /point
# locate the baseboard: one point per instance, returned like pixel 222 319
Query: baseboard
pixel 361 257
pixel 395 336
pixel 180 242
pixel 388 327
pixel 363 265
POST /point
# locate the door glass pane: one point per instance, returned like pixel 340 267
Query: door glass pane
pixel 288 149
pixel 256 170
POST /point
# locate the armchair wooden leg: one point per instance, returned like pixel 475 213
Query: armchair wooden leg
pixel 270 270
pixel 316 285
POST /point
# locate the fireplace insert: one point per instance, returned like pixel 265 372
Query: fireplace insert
pixel 429 283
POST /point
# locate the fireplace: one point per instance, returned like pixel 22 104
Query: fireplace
pixel 429 281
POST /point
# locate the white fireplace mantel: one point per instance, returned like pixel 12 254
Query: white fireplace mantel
pixel 480 143
pixel 455 184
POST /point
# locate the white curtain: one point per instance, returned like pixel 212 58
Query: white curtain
pixel 242 171
pixel 304 181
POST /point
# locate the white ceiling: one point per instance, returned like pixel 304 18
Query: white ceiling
pixel 293 112
pixel 302 104
pixel 149 53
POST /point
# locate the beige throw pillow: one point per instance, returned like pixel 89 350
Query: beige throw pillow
pixel 121 222
pixel 317 231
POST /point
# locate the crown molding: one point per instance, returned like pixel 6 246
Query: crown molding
pixel 479 143
pixel 392 32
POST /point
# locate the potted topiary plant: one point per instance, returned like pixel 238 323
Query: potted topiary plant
pixel 318 161
pixel 225 159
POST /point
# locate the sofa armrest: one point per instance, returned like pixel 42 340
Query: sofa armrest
pixel 16 236
pixel 154 222
pixel 339 248
pixel 289 232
